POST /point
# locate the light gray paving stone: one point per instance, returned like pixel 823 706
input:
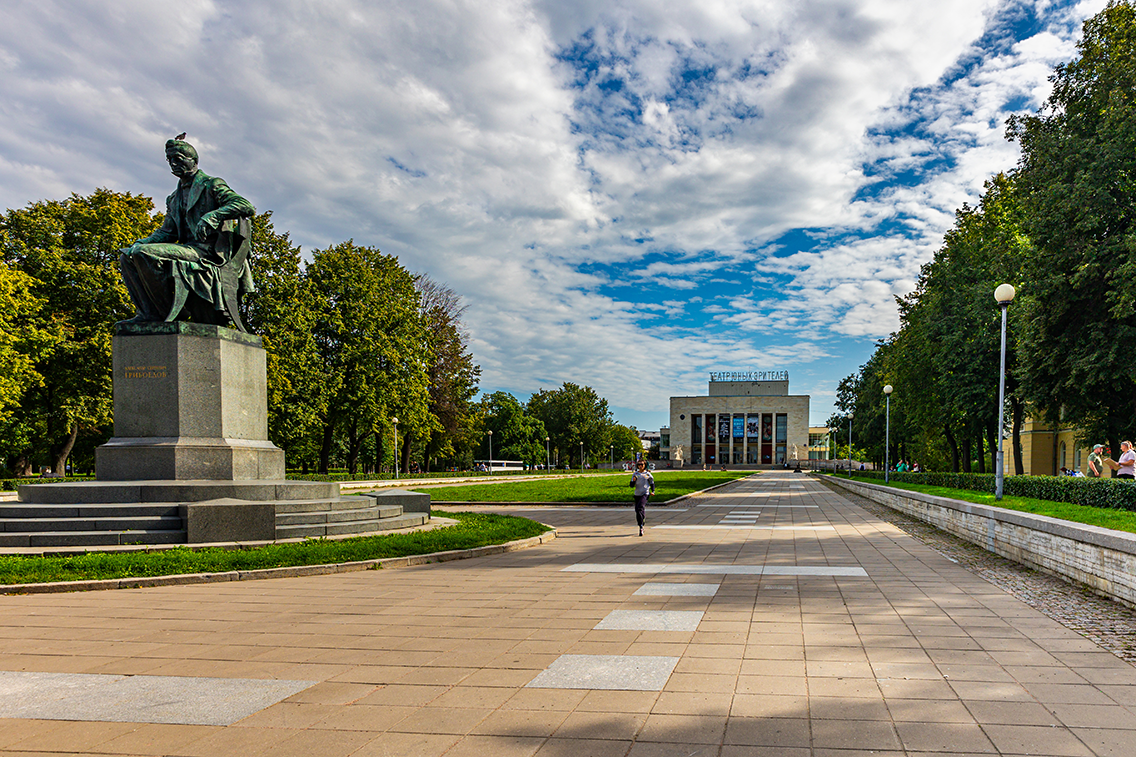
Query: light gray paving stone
pixel 139 699
pixel 609 672
pixel 659 589
pixel 651 620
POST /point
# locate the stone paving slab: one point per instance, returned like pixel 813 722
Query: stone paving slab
pixel 676 590
pixel 600 672
pixel 651 620
pixel 816 643
pixel 138 699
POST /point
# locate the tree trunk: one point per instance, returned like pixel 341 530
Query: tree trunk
pixel 22 466
pixel 981 444
pixel 325 448
pixel 378 453
pixel 354 442
pixel 993 433
pixel 406 454
pixel 954 447
pixel 1017 412
pixel 967 458
pixel 1113 444
pixel 59 459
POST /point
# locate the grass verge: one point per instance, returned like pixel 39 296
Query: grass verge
pixel 472 530
pixel 668 485
pixel 1119 520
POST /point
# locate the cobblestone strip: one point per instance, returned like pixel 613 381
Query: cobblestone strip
pixel 1103 621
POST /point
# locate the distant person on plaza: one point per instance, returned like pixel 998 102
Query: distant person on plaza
pixel 644 484
pixel 1125 467
pixel 1096 462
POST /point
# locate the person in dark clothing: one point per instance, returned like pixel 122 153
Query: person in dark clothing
pixel 644 484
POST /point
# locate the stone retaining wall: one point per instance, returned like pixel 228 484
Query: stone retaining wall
pixel 1100 558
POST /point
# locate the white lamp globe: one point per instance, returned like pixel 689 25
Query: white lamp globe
pixel 888 389
pixel 1004 294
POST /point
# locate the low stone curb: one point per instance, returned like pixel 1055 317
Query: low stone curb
pixel 296 571
pixel 1101 558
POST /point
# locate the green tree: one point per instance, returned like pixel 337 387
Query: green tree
pixel 23 342
pixel 452 373
pixel 625 440
pixel 1078 175
pixel 953 315
pixel 516 435
pixel 283 311
pixel 367 333
pixel 70 249
pixel 573 415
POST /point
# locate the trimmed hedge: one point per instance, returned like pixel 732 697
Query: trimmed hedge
pixel 1110 493
pixel 13 484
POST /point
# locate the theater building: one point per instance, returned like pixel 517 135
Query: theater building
pixel 747 418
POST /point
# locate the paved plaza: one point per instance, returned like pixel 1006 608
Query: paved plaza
pixel 770 617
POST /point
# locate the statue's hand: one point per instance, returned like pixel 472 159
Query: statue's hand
pixel 206 226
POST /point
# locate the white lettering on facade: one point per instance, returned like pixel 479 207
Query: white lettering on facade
pixel 749 375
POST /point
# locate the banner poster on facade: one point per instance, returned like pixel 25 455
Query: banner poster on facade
pixel 739 427
pixel 753 427
pixel 723 427
pixel 767 428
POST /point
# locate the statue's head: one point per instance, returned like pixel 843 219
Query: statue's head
pixel 182 157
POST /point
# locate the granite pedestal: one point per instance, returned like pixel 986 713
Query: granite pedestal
pixel 190 460
pixel 190 403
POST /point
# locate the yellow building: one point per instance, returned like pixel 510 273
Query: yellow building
pixel 1045 451
pixel 819 439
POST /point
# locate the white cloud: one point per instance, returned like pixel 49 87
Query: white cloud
pixel 466 137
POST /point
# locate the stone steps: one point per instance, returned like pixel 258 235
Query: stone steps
pixel 90 538
pixel 130 523
pixel 360 526
pixel 31 511
pixel 159 512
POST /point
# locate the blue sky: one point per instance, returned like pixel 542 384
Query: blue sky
pixel 628 194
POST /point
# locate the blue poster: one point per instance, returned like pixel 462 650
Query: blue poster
pixel 739 426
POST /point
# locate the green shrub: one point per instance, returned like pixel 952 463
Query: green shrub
pixel 1111 493
pixel 13 484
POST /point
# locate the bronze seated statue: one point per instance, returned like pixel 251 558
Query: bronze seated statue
pixel 195 266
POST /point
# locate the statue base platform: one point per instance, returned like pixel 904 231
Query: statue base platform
pixel 190 461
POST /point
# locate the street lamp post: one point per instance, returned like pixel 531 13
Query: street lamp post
pixel 394 468
pixel 1004 294
pixel 581 457
pixel 547 456
pixel 887 434
pixel 491 452
pixel 850 446
pixel 611 456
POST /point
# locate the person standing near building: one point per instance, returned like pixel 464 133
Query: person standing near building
pixel 1096 462
pixel 644 484
pixel 1126 466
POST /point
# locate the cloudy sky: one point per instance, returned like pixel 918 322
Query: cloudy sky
pixel 627 193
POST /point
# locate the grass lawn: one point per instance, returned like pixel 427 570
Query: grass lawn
pixel 612 488
pixel 472 530
pixel 1120 520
